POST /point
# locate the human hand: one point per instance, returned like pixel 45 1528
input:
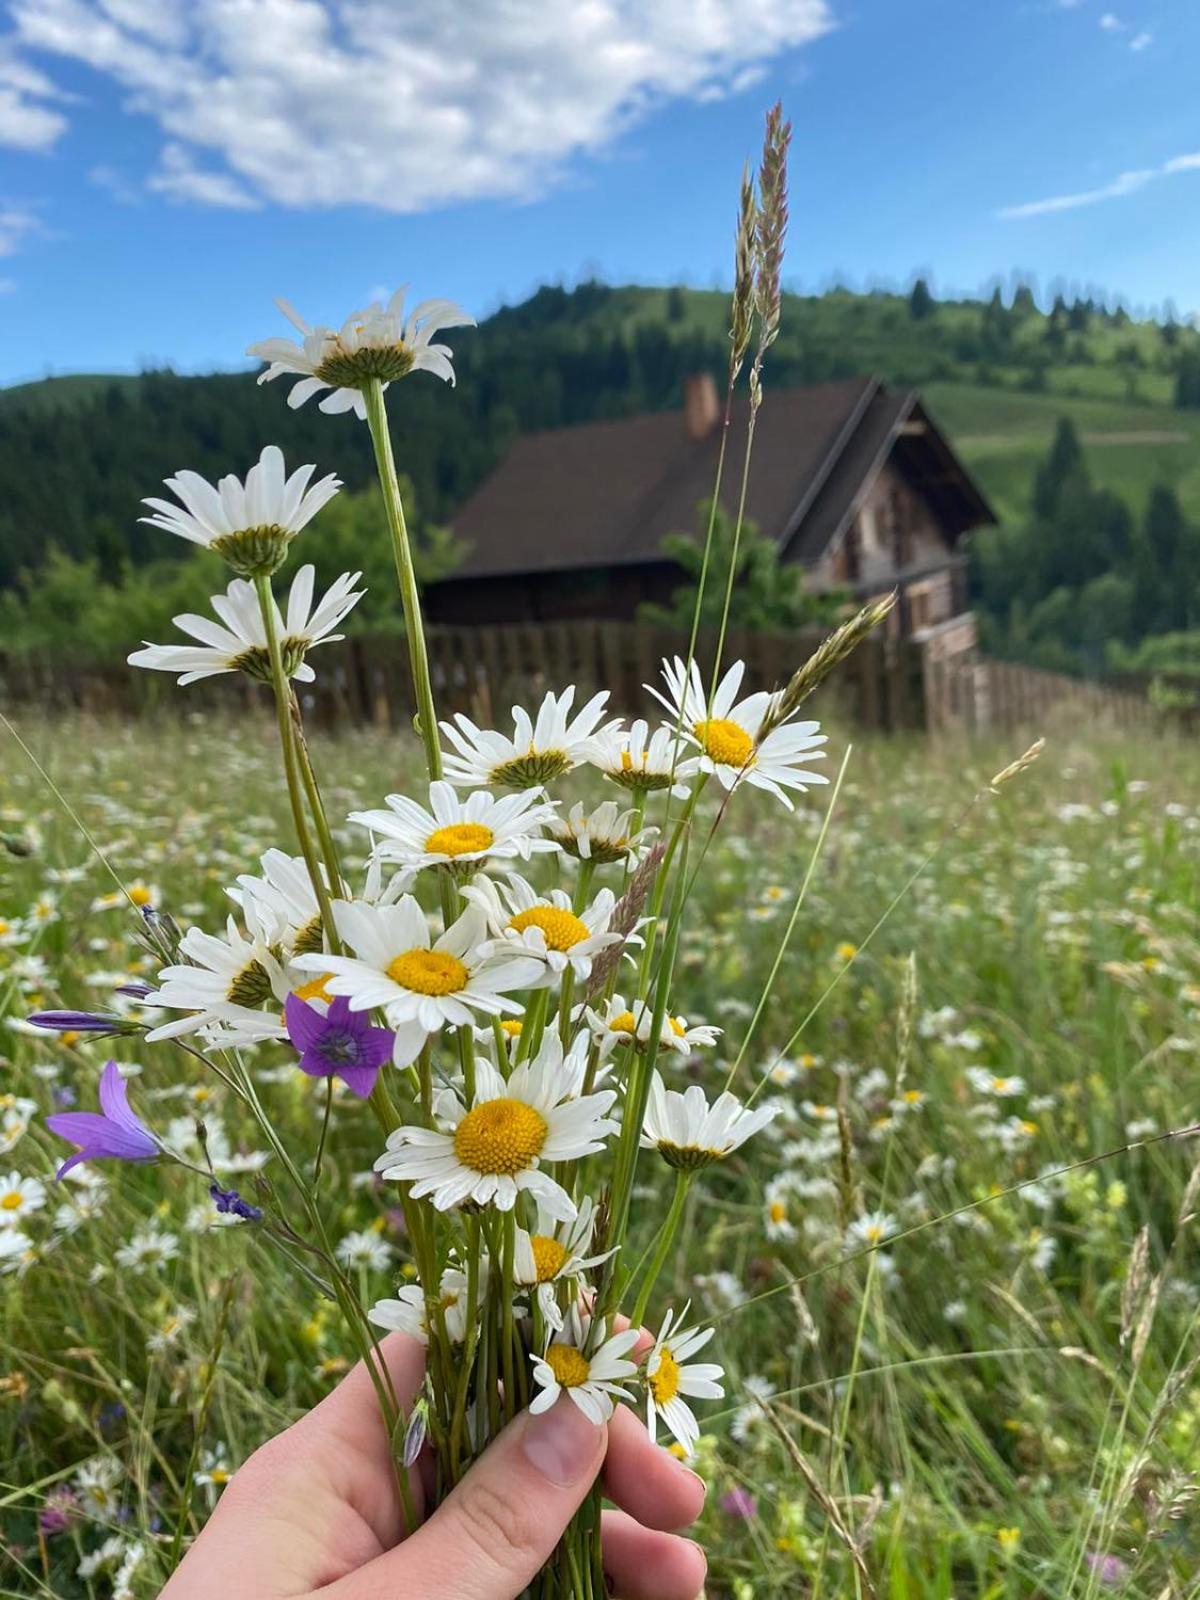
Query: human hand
pixel 316 1509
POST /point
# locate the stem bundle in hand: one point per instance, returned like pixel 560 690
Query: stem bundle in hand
pixel 497 989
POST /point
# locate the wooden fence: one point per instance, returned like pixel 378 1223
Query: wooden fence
pixel 887 684
pixel 484 670
pixel 976 695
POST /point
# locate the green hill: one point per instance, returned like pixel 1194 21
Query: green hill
pixel 77 454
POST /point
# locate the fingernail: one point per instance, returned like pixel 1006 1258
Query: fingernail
pixel 696 1478
pixel 561 1443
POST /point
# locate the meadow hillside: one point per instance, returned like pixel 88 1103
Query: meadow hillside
pixel 980 1339
pixel 997 376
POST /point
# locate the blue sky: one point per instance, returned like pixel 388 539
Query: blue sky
pixel 168 166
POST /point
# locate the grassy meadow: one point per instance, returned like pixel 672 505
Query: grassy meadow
pixel 986 1389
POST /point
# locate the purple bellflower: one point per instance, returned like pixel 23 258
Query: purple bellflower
pixel 342 1043
pixel 79 1022
pixel 230 1204
pixel 113 1131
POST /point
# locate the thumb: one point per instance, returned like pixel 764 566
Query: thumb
pixel 498 1528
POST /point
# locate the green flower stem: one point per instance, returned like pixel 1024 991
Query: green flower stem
pixel 507 1224
pixel 405 574
pixel 283 716
pixel 316 804
pixel 666 1238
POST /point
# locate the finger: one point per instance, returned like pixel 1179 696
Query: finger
pixel 647 1482
pixel 352 1409
pixel 347 1439
pixel 498 1528
pixel 643 1565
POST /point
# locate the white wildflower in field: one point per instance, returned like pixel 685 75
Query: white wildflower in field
pixel 147 1250
pixel 556 1252
pixel 469 835
pixel 998 1085
pixel 406 1312
pixel 421 984
pixel 727 731
pixel 689 1133
pixel 364 1249
pixel 378 343
pixel 619 1024
pixel 19 1199
pixel 514 1130
pixel 539 749
pixel 170 1329
pixel 591 1369
pixel 97 1483
pixel 239 642
pixel 672 1378
pixel 642 761
pixel 250 524
pixel 544 927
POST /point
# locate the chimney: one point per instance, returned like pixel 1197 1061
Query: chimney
pixel 701 408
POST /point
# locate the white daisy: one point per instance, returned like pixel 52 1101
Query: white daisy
pixel 286 892
pixel 689 1133
pixel 363 1249
pixel 995 1084
pixel 515 1129
pixel 670 1374
pixel 230 980
pixel 537 751
pixel 556 1253
pixel 149 1249
pixel 214 1471
pixel 97 1483
pixel 602 833
pixel 544 926
pixel 249 525
pixel 592 1381
pixel 777 1220
pixel 640 760
pixel 378 342
pixel 406 1312
pixel 621 1024
pixel 422 984
pixel 16 1250
pixel 465 835
pixel 139 893
pixel 749 1418
pixel 171 1329
pixel 19 1198
pixel 873 1227
pixel 241 645
pixel 727 732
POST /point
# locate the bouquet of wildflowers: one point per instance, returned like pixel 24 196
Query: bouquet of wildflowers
pixel 496 990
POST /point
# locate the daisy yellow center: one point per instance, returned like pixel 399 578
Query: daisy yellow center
pixel 511 1028
pixel 726 743
pixel 218 1475
pixel 459 839
pixel 664 1380
pixel 139 895
pixel 502 1136
pixel 548 1257
pixel 562 929
pixel 569 1366
pixel 622 1023
pixel 778 1211
pixel 428 972
pixel 677 1027
pixel 12 1201
pixel 315 990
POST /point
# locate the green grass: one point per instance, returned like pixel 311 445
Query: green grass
pixel 963 1395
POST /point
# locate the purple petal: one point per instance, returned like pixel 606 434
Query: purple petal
pixel 315 1065
pixel 114 1101
pixel 359 1080
pixel 377 1045
pixel 305 1024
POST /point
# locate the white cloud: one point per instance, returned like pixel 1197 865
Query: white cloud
pixel 1111 23
pixel 1127 183
pixel 16 222
pixel 180 179
pixel 401 105
pixel 26 121
pixel 1141 40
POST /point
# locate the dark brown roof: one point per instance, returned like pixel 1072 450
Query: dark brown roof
pixel 605 494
